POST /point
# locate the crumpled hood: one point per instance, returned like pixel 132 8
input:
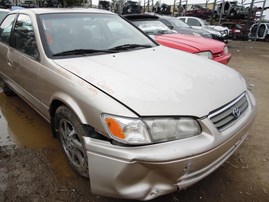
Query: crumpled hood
pixel 194 43
pixel 160 81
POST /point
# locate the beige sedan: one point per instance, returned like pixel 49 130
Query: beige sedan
pixel 139 119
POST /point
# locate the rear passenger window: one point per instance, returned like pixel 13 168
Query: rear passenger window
pixel 25 37
pixel 5 28
pixel 193 22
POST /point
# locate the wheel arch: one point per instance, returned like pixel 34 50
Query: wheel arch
pixel 64 99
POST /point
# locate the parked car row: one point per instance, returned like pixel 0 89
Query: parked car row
pixel 218 32
pixel 153 26
pixel 183 28
pixel 139 119
pixel 226 9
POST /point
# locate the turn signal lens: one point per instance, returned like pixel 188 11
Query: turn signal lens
pixel 114 128
pixel 126 130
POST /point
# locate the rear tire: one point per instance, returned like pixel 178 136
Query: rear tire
pixel 70 132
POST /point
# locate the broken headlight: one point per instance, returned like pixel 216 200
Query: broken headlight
pixel 149 130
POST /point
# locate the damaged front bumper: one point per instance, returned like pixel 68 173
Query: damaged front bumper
pixel 146 172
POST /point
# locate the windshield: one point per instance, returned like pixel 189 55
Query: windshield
pixel 152 27
pixel 88 33
pixel 205 22
pixel 179 23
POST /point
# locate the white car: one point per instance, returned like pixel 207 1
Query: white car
pixel 259 31
pixel 139 119
pixel 218 32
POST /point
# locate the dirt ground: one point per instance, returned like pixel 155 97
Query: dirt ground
pixel 33 167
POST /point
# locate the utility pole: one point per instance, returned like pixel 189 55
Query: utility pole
pixel 222 11
pixel 260 20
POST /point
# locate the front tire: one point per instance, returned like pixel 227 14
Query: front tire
pixel 70 132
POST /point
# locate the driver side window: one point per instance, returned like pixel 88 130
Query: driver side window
pixel 24 36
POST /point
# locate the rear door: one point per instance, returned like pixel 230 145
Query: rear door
pixel 262 31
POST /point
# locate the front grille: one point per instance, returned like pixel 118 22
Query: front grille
pixel 230 113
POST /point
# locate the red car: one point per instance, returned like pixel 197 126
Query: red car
pixel 210 48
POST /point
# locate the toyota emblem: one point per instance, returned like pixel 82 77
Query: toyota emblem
pixel 236 112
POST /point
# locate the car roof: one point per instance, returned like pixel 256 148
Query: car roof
pixel 140 17
pixel 166 17
pixel 5 10
pixel 189 17
pixel 61 10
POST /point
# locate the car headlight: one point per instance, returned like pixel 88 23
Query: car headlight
pixel 226 50
pixel 149 130
pixel 197 34
pixel 167 129
pixel 206 54
pixel 224 32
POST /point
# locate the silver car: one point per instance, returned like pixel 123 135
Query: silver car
pixel 139 119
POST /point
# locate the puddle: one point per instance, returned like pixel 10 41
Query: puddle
pixel 21 125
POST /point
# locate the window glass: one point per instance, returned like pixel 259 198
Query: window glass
pixel 179 23
pixel 76 31
pixel 261 30
pixel 254 30
pixel 25 37
pixel 5 28
pixel 154 27
pixel 3 15
pixel 167 23
pixel 182 19
pixel 193 22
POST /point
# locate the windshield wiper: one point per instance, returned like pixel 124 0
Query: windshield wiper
pixel 130 46
pixel 82 51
